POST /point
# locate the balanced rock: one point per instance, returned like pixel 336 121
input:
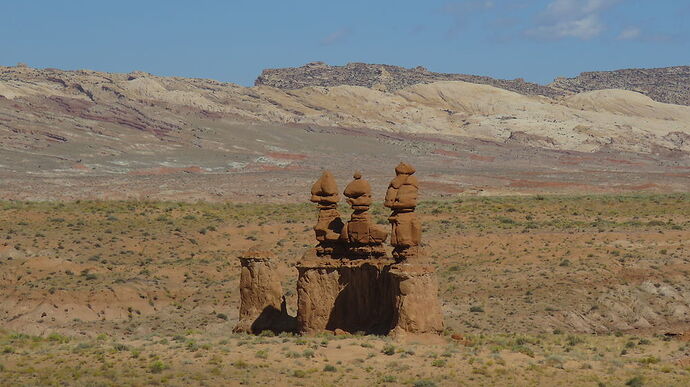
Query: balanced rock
pixel 362 237
pixel 401 197
pixel 329 226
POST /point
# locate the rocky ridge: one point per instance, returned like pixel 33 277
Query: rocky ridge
pixel 383 78
pixel 667 85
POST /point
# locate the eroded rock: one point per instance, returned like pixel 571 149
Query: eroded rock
pixel 328 226
pixel 347 283
pixel 362 237
pixel 401 197
pixel 262 304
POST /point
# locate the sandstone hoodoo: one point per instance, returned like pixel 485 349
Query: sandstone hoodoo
pixel 329 225
pixel 401 197
pixel 361 235
pixel 349 282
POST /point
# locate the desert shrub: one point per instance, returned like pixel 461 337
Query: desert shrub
pixel 222 316
pixel 240 364
pixel 476 309
pixel 388 349
pixel 308 353
pixel 637 381
pixel 57 338
pixel 262 354
pixel 574 340
pixel 649 360
pixel 329 368
pixel 157 367
pixel 299 373
pixel 120 347
pixel 438 363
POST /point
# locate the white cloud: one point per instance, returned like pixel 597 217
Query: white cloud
pixel 580 19
pixel 629 33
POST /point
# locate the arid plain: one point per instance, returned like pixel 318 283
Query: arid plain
pixel 557 224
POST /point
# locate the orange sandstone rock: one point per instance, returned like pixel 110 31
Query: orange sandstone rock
pixel 362 237
pixel 262 304
pixel 401 197
pixel 328 225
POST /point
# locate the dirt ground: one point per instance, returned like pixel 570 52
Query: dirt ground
pixel 556 290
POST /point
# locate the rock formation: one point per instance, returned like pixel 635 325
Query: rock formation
pixel 329 226
pixel 384 78
pixel 348 282
pixel 362 237
pixel 262 304
pixel 415 299
pixel 350 295
pixel 667 85
pixel 401 197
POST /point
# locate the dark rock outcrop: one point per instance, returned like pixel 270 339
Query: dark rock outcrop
pixel 668 85
pixel 383 77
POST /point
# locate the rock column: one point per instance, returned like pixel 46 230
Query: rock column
pixel 401 197
pixel 416 305
pixel 262 305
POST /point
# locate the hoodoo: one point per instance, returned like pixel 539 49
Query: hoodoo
pixel 348 281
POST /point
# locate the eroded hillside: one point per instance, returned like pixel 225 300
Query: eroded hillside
pixel 97 135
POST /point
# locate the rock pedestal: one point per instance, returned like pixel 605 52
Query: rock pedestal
pixel 350 295
pixel 373 296
pixel 415 299
pixel 262 305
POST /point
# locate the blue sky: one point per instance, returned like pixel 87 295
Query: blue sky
pixel 234 40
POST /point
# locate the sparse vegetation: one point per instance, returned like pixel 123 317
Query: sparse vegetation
pixel 505 283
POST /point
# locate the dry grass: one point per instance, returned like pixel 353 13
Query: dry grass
pixel 146 292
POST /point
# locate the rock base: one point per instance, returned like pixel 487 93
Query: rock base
pixel 373 296
pixel 415 299
pixel 262 305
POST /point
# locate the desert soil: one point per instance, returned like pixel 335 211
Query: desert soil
pixel 546 289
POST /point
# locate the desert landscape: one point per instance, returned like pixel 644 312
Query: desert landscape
pixel 555 218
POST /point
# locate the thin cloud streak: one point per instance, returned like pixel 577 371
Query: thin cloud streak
pixel 336 37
